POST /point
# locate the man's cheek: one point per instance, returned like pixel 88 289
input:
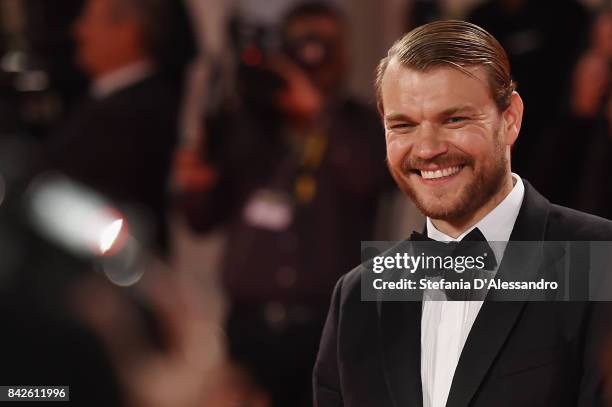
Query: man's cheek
pixel 396 153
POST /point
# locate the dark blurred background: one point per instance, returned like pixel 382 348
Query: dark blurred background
pixel 181 183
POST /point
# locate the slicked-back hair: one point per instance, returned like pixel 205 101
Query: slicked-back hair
pixel 455 44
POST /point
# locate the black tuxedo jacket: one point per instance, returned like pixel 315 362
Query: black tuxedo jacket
pixel 122 146
pixel 517 353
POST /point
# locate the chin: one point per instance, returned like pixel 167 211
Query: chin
pixel 448 205
pixel 452 211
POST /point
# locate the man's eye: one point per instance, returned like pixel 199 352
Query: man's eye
pixel 401 126
pixel 454 120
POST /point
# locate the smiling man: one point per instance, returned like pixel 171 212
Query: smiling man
pixel 448 145
pixel 452 115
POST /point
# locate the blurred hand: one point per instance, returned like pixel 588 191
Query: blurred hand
pixel 191 173
pixel 300 99
pixel 179 375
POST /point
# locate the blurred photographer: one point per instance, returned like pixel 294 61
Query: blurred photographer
pixel 295 172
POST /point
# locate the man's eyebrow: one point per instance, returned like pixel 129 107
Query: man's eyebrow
pixel 396 117
pixel 458 109
pixel 445 113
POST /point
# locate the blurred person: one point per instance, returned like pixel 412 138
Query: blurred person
pixel 314 37
pixel 118 142
pixel 593 102
pixel 451 116
pixel 296 175
pixel 583 136
pixel 543 40
pixel 120 139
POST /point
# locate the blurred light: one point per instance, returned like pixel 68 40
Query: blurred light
pixel 128 268
pixel 124 277
pixel 14 61
pixel 109 235
pixel 74 217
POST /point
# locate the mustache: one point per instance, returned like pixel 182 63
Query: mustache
pixel 411 163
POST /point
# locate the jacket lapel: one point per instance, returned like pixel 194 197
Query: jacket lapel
pixel 496 320
pixel 400 333
pixel 401 346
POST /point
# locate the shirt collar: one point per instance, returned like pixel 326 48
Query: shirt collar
pixel 121 78
pixel 497 225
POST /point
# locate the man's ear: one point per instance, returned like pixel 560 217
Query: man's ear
pixel 513 117
pixel 380 109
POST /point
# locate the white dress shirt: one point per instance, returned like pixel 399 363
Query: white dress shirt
pixel 445 325
pixel 121 78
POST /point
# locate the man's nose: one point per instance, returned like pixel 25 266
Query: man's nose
pixel 429 144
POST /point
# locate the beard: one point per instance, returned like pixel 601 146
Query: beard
pixel 455 205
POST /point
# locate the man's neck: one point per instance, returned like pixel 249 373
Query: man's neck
pixel 454 228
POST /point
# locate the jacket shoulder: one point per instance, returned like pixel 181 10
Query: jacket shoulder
pixel 350 284
pixel 569 224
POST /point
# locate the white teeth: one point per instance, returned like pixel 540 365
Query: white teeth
pixel 446 172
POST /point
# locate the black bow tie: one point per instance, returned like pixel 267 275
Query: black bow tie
pixel 474 244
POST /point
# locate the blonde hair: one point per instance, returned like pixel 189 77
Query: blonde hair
pixel 453 43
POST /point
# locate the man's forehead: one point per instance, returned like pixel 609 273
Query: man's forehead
pixel 396 69
pixel 402 84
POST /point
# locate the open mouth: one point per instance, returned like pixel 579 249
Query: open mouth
pixel 439 174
